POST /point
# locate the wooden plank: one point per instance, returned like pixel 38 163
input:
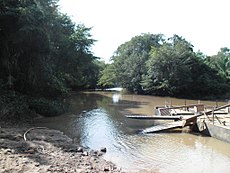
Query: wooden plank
pixel 153 117
pixel 177 124
pixel 167 126
pixel 164 112
pixel 218 108
pixel 187 118
pixel 179 107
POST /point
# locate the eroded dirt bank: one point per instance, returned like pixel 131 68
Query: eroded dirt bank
pixel 47 150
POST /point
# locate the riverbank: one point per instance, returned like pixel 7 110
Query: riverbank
pixel 45 150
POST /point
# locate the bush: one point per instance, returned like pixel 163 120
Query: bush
pixel 14 108
pixel 47 107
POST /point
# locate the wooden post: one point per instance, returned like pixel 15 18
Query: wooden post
pixel 229 107
pixel 213 115
pixel 186 108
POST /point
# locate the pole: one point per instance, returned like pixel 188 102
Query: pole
pixel 213 115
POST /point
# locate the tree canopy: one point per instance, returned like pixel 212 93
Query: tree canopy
pixel 43 53
pixel 221 63
pixel 130 59
pixel 151 64
pixel 42 50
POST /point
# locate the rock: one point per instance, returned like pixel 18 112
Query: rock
pixel 7 151
pixel 100 154
pixel 85 153
pixel 25 161
pixel 80 149
pixel 94 153
pixel 103 150
pixel 30 151
pixel 71 150
pixel 106 168
pixel 37 164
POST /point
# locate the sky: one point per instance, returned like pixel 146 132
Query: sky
pixel 203 23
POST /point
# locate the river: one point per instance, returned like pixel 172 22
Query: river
pixel 96 119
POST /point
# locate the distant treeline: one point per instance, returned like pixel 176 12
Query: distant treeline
pixel 44 55
pixel 155 65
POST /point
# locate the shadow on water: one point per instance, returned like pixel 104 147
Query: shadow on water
pixel 97 120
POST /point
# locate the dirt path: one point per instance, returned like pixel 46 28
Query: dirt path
pixel 45 151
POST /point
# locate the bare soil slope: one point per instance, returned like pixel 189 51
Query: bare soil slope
pixel 46 150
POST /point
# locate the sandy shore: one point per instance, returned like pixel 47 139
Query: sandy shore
pixel 46 151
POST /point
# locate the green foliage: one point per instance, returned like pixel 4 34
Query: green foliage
pixel 43 53
pixel 47 107
pixel 17 107
pixel 221 63
pixel 107 76
pixel 13 107
pixel 129 60
pixel 91 74
pixel 175 70
pixel 150 64
pixel 169 68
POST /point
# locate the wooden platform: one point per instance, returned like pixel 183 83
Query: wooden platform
pixel 153 117
pixel 179 121
pixel 184 121
pixel 167 126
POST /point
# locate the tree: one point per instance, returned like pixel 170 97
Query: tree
pixel 169 68
pixel 43 53
pixel 175 70
pixel 130 60
pixel 107 76
pixel 221 63
pixel 23 41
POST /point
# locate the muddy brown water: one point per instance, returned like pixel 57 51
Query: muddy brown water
pixel 96 119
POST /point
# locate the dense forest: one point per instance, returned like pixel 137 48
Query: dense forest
pixel 155 65
pixel 44 55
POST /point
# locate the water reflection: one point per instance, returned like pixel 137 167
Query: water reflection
pixel 116 97
pixel 104 130
pixel 97 120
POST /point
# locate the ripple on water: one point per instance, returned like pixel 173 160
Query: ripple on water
pixel 106 126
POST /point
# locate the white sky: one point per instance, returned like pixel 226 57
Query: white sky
pixel 204 23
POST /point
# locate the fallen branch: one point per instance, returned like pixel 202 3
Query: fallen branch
pixel 32 129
